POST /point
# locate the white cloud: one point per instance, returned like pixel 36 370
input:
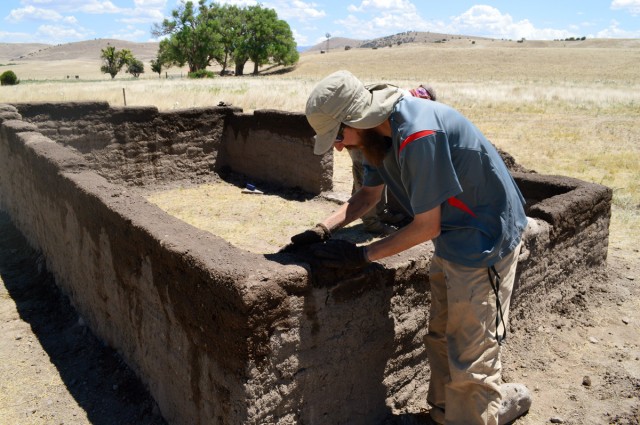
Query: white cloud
pixel 301 40
pixel 150 4
pixel 142 16
pixel 239 3
pixel 286 9
pixel 369 5
pixel 18 37
pixel 99 8
pixel 58 34
pixel 298 9
pixel 487 20
pixel 633 6
pixel 614 31
pixel 33 13
pixel 86 6
pixel 129 33
pixel 482 20
pixel 376 18
pixel 377 26
pixel 145 12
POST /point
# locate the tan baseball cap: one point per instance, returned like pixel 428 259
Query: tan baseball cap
pixel 342 98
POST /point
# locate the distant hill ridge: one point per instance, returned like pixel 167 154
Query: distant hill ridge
pixel 390 40
pixel 81 50
pixel 90 49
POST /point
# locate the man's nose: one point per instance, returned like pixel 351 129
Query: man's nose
pixel 339 145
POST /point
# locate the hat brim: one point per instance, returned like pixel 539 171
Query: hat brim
pixel 324 142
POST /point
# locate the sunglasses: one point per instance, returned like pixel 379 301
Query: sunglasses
pixel 340 135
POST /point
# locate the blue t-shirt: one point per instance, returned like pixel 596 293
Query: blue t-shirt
pixel 438 157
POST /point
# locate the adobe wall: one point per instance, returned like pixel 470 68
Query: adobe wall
pixel 248 149
pixel 224 336
pixel 568 235
pixel 140 146
pixel 218 334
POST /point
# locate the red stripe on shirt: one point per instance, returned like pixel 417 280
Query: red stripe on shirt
pixel 413 137
pixel 457 203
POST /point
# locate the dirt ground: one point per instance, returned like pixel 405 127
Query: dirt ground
pixel 578 352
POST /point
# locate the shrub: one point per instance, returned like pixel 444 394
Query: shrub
pixel 202 73
pixel 135 67
pixel 9 78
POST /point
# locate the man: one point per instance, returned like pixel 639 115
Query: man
pixel 461 196
pixel 387 213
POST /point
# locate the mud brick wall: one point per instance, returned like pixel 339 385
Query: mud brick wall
pixel 219 335
pixel 248 149
pixel 140 146
pixel 223 336
pixel 568 234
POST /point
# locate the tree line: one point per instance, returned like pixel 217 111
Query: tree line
pixel 200 35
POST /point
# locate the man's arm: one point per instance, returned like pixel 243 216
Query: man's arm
pixel 425 226
pixel 361 202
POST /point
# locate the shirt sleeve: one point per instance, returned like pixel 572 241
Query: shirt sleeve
pixel 426 170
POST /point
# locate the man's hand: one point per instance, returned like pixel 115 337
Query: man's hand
pixel 343 254
pixel 318 233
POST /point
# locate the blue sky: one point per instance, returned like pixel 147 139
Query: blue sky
pixel 62 21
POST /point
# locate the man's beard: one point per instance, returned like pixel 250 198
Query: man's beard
pixel 374 147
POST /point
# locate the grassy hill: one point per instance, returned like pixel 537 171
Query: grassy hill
pixel 81 50
pixel 18 51
pixel 90 49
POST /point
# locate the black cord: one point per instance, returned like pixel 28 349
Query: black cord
pixel 499 314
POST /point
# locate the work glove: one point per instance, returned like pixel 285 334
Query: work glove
pixel 342 254
pixel 318 233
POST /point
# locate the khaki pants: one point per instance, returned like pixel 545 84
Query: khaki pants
pixel 461 344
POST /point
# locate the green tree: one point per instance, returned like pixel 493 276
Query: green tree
pixel 135 67
pixel 199 36
pixel 9 78
pixel 283 50
pixel 230 27
pixel 113 60
pixel 194 38
pixel 265 39
pixel 156 66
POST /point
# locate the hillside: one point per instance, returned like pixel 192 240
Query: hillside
pixel 81 50
pixel 17 51
pixel 390 40
pixel 414 37
pixel 90 50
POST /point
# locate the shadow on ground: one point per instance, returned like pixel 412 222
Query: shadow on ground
pixel 95 375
